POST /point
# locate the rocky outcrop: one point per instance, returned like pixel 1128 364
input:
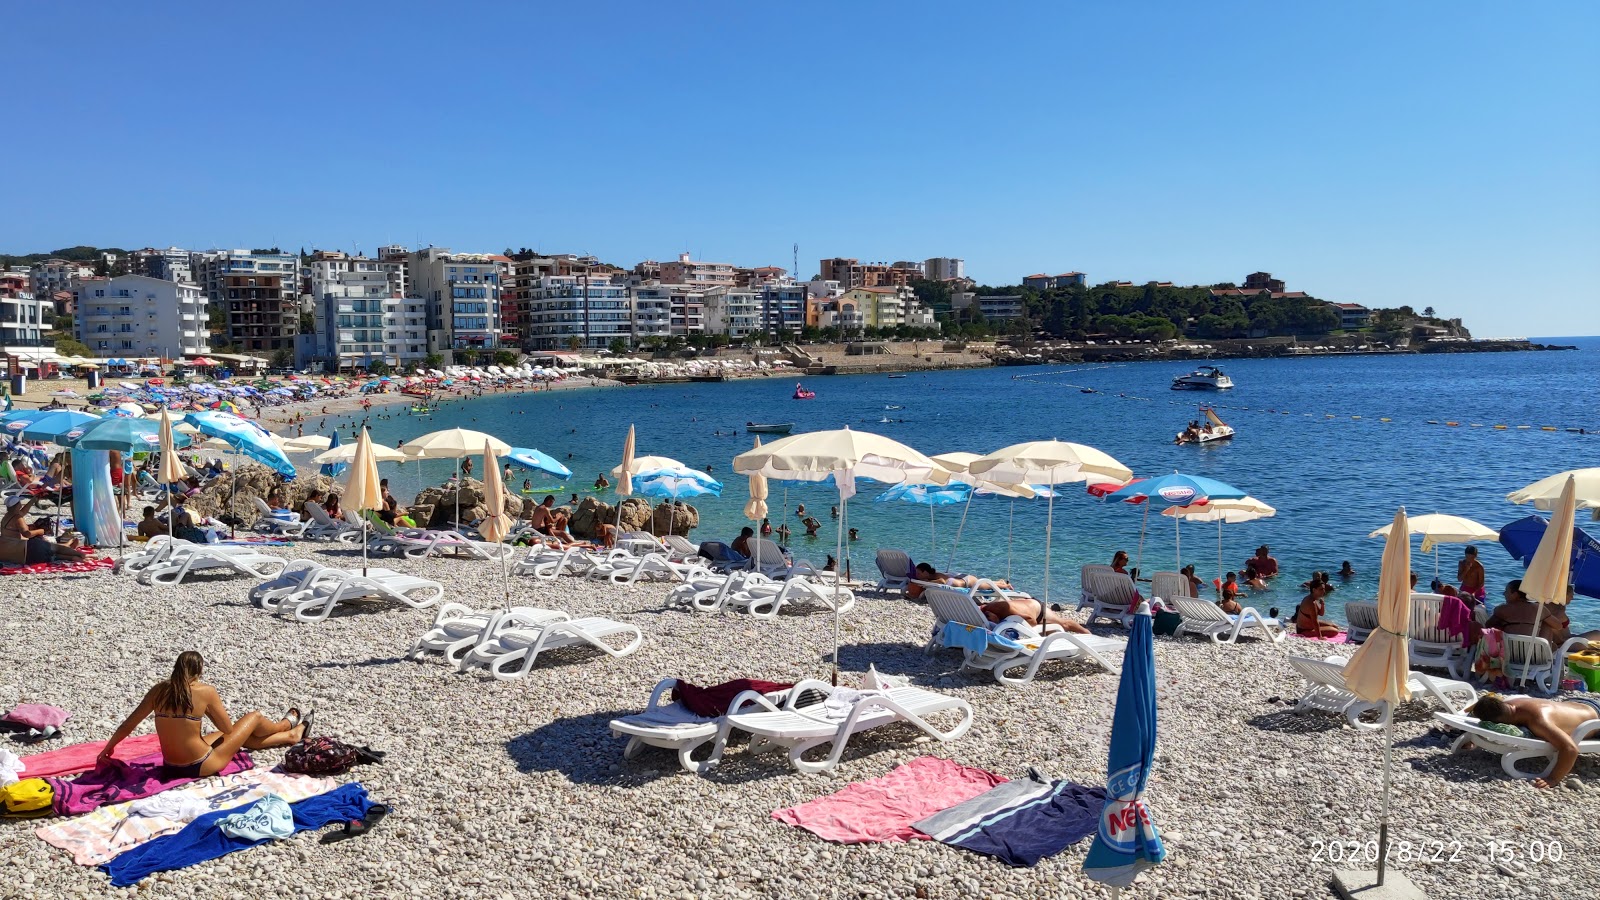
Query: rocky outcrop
pixel 674 517
pixel 220 497
pixel 437 505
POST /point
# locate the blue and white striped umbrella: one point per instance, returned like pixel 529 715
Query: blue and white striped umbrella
pixel 334 469
pixel 927 494
pixel 244 436
pixel 537 460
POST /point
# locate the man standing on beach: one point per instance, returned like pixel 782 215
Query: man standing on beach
pixel 1469 572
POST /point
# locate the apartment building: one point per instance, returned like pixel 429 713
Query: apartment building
pixel 353 320
pixel 944 268
pixel 735 312
pixel 141 316
pixel 684 270
pixel 326 268
pixel 171 264
pixel 25 320
pixel 256 295
pixel 783 308
pixel 462 291
pixel 594 311
pixel 52 275
pixel 993 307
pixel 1042 282
pixel 852 273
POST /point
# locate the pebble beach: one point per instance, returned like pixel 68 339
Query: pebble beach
pixel 517 789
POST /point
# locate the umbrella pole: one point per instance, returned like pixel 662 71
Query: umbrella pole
pixel 1011 522
pixel 459 484
pixel 959 528
pixel 933 538
pixel 1049 528
pixel 1138 557
pixel 1177 531
pixel 1383 818
pixel 1219 551
pixel 844 507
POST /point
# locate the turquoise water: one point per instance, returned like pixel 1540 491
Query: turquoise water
pixel 1332 477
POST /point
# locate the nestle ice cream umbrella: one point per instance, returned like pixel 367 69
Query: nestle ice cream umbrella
pixel 931 496
pixel 1176 489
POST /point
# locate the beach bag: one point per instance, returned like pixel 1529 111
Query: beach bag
pixel 320 755
pixel 28 798
pixel 1166 622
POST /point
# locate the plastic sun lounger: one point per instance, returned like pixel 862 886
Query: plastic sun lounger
pixel 1108 595
pixel 298 575
pixel 325 526
pixel 650 567
pixel 1363 618
pixel 785 727
pixel 1530 658
pixel 670 726
pixel 206 557
pixel 513 642
pixel 458 628
pixel 1326 691
pixel 1431 646
pixel 773 564
pixel 317 602
pixel 1206 618
pixel 271 524
pixel 764 598
pixel 951 605
pixel 1513 750
pixel 894 569
pixel 1169 585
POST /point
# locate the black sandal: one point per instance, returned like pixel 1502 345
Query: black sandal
pixel 358 827
pixel 306 720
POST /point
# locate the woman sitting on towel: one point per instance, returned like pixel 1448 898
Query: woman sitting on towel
pixel 179 704
pixel 1308 621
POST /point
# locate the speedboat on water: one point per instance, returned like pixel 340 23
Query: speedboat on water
pixel 1211 428
pixel 1205 378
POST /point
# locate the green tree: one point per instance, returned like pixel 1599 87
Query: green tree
pixel 379 368
pixel 618 345
pixel 468 356
pixel 433 360
pixel 574 343
pixel 66 346
pixel 505 358
pixel 281 358
pixel 308 323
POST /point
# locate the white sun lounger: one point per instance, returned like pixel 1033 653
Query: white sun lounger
pixel 1431 646
pixel 1108 595
pixel 1363 618
pixel 624 569
pixel 1326 691
pixel 316 602
pixel 894 570
pixel 1169 585
pixel 774 564
pixel 1206 618
pixel 323 525
pixel 1513 750
pixel 458 628
pixel 1529 659
pixel 185 561
pixel 764 598
pixel 271 524
pixel 785 727
pixel 513 642
pixel 420 543
pixel 672 727
pixel 951 605
pixel 297 575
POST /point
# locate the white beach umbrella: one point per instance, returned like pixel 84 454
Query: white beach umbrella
pixel 843 455
pixel 456 444
pixel 642 464
pixel 955 469
pixel 345 453
pixel 1437 528
pixel 1051 463
pixel 1231 512
pixel 307 442
pixel 1546 492
pixel 756 508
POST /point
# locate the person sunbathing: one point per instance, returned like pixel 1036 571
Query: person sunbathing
pixel 926 572
pixel 1030 611
pixel 181 702
pixel 1551 721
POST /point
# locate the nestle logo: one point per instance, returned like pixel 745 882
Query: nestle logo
pixel 1177 494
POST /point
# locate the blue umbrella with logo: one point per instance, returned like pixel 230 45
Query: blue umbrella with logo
pixel 333 470
pixel 47 425
pixel 244 436
pixel 1128 841
pixel 538 461
pixel 1521 538
pixel 676 484
pixel 931 496
pixel 1176 489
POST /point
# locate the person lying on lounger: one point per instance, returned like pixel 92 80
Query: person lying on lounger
pixel 179 704
pixel 1551 721
pixel 1031 611
pixel 925 572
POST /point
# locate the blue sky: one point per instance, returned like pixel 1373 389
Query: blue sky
pixel 1431 153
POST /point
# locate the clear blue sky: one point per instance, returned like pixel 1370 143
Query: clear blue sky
pixel 1431 153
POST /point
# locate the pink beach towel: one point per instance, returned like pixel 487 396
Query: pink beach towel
pixel 37 715
pixel 75 758
pixel 884 809
pixel 1340 638
pixel 117 781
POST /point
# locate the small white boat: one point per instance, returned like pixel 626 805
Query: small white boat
pixel 1205 378
pixel 1210 428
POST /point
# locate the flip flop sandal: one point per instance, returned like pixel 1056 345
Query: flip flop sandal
pixel 306 720
pixel 358 827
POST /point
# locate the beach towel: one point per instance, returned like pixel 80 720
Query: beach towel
pixel 713 701
pixel 1455 617
pixel 92 564
pixel 75 758
pixel 36 715
pixel 201 839
pixel 883 809
pixel 971 637
pixel 116 781
pixel 1340 638
pixel 100 836
pixel 1020 822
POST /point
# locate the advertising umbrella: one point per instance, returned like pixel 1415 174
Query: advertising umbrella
pixel 1176 489
pixel 245 437
pixel 675 484
pixel 48 425
pixel 123 435
pixel 538 461
pixel 1381 668
pixel 1521 538
pixel 1128 841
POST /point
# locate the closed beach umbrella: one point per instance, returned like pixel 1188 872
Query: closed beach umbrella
pixel 1245 509
pixel 844 455
pixel 1437 528
pixel 496 525
pixel 1381 669
pixel 1546 492
pixel 1550 570
pixel 170 471
pixel 755 509
pixel 333 469
pixel 1128 841
pixel 1049 463
pixel 361 492
pixel 625 473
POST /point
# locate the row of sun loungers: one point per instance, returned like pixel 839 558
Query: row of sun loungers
pixel 507 642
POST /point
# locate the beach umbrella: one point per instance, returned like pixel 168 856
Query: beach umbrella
pixel 1550 570
pixel 625 473
pixel 955 466
pixel 845 455
pixel 1231 512
pixel 1546 492
pixel 1437 528
pixel 496 525
pixel 170 471
pixel 538 461
pixel 245 437
pixel 333 469
pixel 345 453
pixel 306 443
pixel 362 492
pixel 1176 489
pixel 456 444
pixel 1049 463
pixel 1381 668
pixel 1521 539
pixel 648 463
pixel 123 435
pixel 1128 841
pixel 48 425
pixel 675 484
pixel 756 508
pixel 931 496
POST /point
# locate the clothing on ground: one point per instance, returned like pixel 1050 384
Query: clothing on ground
pixel 1020 822
pixel 110 830
pixel 174 805
pixel 202 839
pixel 883 809
pixel 268 819
pixel 713 701
pixel 116 781
pixel 75 758
pixel 37 715
pixel 10 767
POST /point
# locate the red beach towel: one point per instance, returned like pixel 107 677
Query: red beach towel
pixel 92 564
pixel 713 701
pixel 75 758
pixel 883 809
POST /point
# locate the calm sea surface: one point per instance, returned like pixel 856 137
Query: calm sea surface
pixel 1312 442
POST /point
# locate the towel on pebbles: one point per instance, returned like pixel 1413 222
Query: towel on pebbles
pixel 883 809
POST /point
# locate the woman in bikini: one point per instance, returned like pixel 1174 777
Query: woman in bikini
pixel 179 704
pixel 1308 621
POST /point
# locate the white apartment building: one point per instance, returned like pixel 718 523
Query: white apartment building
pixel 327 268
pixel 140 316
pixel 591 309
pixel 393 260
pixel 352 322
pixel 735 312
pixel 463 295
pixel 944 268
pixel 652 313
pixel 24 319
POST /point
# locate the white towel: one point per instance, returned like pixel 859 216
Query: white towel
pixel 169 805
pixel 10 768
pixel 842 700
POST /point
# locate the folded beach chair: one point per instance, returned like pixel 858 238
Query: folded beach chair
pixel 681 549
pixel 1529 659
pixel 1169 586
pixel 513 642
pixel 667 724
pixel 1431 646
pixel 457 629
pixel 324 526
pixel 767 558
pixel 317 601
pixel 271 524
pixel 1514 749
pixel 764 598
pixel 181 562
pixel 894 570
pixel 1108 595
pixel 1206 618
pixel 1363 618
pixel 785 726
pixel 950 605
pixel 1326 691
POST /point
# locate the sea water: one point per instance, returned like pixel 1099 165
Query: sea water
pixel 1335 443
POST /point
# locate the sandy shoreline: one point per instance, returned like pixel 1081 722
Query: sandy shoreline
pixel 503 788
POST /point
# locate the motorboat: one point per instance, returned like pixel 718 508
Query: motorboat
pixel 778 428
pixel 1209 428
pixel 1205 378
pixel 800 393
pixel 898 376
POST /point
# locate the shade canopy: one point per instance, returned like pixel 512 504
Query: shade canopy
pixel 124 435
pixel 1550 570
pixel 245 437
pixel 537 460
pixel 1546 492
pixel 1178 489
pixel 1381 668
pixel 1231 512
pixel 843 454
pixel 345 453
pixel 1437 528
pixel 1048 462
pixel 454 443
